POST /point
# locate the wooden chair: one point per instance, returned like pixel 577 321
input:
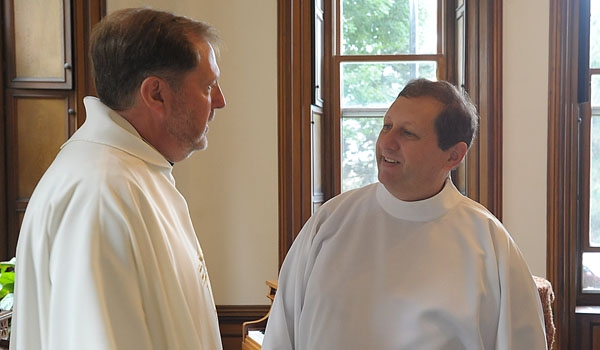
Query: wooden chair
pixel 5 318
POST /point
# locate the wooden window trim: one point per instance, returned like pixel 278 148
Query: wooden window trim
pixel 85 15
pixel 562 167
pixel 568 175
pixel 483 78
pixel 294 189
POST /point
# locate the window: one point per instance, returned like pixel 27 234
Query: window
pixel 573 245
pixel 383 45
pixel 590 272
pixel 341 64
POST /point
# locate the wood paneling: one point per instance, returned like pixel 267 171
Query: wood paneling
pixel 40 125
pixel 38 44
pixel 37 123
pixel 44 56
pixel 587 331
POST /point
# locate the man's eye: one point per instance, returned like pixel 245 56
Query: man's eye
pixel 386 127
pixel 212 85
pixel 408 133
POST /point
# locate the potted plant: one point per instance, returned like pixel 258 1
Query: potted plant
pixel 7 284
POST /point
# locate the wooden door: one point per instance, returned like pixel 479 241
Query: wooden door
pixel 46 74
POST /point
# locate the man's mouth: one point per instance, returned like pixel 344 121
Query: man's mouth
pixel 388 160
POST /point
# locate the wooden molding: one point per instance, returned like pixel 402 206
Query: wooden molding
pixel 562 167
pixel 294 79
pixel 85 15
pixel 484 84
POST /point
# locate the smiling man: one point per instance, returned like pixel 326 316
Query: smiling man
pixel 107 256
pixel 409 262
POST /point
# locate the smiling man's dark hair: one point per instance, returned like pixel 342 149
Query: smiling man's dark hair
pixel 458 121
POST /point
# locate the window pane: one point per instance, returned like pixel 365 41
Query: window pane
pixel 594 33
pixel 382 27
pixel 595 90
pixel 590 278
pixel 595 181
pixel 359 166
pixel 376 84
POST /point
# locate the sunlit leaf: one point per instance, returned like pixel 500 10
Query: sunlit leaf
pixel 7 302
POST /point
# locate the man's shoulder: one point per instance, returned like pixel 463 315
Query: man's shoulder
pixel 474 208
pixel 352 197
pixel 91 171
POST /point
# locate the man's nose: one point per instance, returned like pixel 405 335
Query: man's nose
pixel 218 99
pixel 388 141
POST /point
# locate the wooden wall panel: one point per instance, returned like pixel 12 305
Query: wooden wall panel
pixel 231 318
pixel 588 331
pixel 39 46
pixel 42 126
pixel 37 124
pixel 38 43
pixel 46 75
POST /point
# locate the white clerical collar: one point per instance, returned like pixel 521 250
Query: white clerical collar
pixel 105 126
pixel 423 210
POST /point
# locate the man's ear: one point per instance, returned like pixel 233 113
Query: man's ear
pixel 456 154
pixel 153 92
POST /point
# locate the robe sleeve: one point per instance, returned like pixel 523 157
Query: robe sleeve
pixel 93 267
pixel 289 299
pixel 521 320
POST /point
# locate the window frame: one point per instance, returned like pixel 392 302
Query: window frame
pixel 568 200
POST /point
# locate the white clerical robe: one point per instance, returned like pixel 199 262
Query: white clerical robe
pixel 369 271
pixel 107 257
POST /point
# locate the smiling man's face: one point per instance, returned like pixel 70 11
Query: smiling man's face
pixel 411 164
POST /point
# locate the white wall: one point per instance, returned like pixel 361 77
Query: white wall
pixel 525 116
pixel 232 187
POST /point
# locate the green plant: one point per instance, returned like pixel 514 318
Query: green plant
pixel 7 283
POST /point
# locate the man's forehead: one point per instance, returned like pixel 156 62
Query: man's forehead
pixel 414 107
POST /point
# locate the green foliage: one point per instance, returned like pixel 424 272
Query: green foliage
pixel 376 27
pixel 359 165
pixel 379 27
pixel 7 284
pixel 378 84
pixel 385 27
